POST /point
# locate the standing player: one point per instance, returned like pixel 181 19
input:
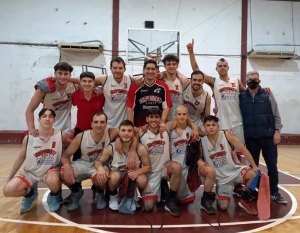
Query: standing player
pixel 176 88
pixel 196 99
pixel 42 157
pixel 58 98
pixel 118 164
pixel 218 153
pixel 153 94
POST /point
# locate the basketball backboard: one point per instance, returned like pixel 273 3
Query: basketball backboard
pixel 151 44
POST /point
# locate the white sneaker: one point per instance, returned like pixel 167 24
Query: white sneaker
pixel 114 202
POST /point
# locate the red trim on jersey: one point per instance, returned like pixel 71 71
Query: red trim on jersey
pixel 24 180
pixel 152 197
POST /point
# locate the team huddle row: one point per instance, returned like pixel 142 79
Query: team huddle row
pixel 126 169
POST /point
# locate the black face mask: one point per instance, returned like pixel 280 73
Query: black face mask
pixel 253 84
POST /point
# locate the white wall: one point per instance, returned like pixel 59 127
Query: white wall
pixel 215 26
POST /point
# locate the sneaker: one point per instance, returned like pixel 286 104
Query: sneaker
pixel 239 189
pixel 172 207
pixel 27 202
pixel 54 204
pixel 75 198
pixel 207 205
pixel 114 202
pixel 248 207
pixel 67 200
pixel 278 198
pixel 101 201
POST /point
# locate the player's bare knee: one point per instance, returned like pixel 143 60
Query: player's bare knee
pixel 210 172
pixel 115 178
pixel 223 205
pixel 141 181
pixel 175 168
pixel 148 205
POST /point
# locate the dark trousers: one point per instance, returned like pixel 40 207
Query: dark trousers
pixel 77 154
pixel 270 154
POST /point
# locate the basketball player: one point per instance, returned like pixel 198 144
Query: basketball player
pixel 179 138
pixel 153 94
pixel 218 153
pixel 91 143
pixel 42 157
pixel 58 98
pixel 176 88
pixel 158 146
pixel 196 99
pixel 118 164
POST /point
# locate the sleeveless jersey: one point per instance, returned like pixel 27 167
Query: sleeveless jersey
pixel 158 147
pixel 41 156
pixel 195 105
pixel 115 100
pixel 178 145
pixel 227 99
pixel 222 158
pixel 61 104
pixel 119 160
pixel 90 150
pixel 176 91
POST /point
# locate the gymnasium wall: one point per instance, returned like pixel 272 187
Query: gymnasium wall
pixel 214 25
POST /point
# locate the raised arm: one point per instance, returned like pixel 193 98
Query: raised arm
pixel 207 105
pixel 29 114
pixel 20 159
pixel 207 79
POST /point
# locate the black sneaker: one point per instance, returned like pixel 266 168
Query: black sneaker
pixel 207 205
pixel 172 207
pixel 278 198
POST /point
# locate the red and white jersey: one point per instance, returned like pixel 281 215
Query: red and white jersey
pixel 41 156
pixel 222 158
pixel 119 160
pixel 176 91
pixel 90 150
pixel 195 105
pixel 158 146
pixel 61 104
pixel 178 144
pixel 228 103
pixel 115 100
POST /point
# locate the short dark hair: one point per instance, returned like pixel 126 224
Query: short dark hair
pixel 153 111
pixel 118 60
pixel 42 112
pixel 99 114
pixel 87 74
pixel 170 57
pixel 64 66
pixel 197 72
pixel 222 59
pixel 210 118
pixel 150 61
pixel 126 123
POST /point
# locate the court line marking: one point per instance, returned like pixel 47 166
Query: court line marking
pixel 273 222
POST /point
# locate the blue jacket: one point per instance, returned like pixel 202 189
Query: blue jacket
pixel 257 114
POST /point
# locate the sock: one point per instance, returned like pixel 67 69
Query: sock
pixel 31 192
pixel 172 194
pixel 99 190
pixel 54 194
pixel 75 187
pixel 113 193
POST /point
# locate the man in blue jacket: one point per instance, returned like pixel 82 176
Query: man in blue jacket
pixel 262 124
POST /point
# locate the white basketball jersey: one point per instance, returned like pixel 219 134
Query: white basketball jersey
pixel 61 104
pixel 158 146
pixel 90 150
pixel 222 158
pixel 176 91
pixel 115 100
pixel 195 105
pixel 119 160
pixel 228 103
pixel 41 156
pixel 178 144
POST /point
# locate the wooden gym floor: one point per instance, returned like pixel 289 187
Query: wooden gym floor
pixel 284 218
